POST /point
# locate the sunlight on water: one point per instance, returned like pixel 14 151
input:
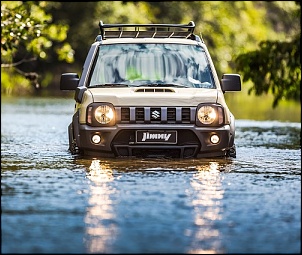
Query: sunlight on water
pixel 205 195
pixel 58 202
pixel 207 209
pixel 101 229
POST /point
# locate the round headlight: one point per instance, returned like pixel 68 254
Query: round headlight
pixel 104 114
pixel 206 114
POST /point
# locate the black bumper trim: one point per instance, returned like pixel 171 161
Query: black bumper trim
pixel 187 151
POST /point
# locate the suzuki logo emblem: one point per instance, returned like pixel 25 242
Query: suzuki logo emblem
pixel 155 114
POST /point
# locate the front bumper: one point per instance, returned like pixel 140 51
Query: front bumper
pixel 120 141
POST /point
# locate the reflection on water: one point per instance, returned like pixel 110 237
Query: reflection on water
pixel 99 219
pixel 205 194
pixel 100 173
pixel 153 164
pixel 53 201
pixel 208 194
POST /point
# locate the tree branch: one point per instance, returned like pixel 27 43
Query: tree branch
pixel 19 62
pixel 31 76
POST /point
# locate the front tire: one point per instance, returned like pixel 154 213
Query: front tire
pixel 231 152
pixel 73 147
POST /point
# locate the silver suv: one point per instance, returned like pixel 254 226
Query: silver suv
pixel 150 90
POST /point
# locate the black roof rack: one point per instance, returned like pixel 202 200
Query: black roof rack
pixel 147 30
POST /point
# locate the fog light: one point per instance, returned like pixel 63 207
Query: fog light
pixel 214 139
pixel 96 139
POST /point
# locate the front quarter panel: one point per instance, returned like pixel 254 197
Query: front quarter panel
pixel 82 107
pixel 221 100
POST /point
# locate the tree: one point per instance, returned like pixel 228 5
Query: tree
pixel 229 28
pixel 275 67
pixel 28 35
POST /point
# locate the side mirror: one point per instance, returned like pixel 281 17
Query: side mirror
pixel 69 81
pixel 231 82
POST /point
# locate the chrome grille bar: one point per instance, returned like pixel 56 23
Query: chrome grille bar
pixel 159 115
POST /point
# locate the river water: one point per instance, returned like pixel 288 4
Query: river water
pixel 53 202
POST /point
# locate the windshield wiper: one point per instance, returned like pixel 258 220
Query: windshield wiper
pixel 109 85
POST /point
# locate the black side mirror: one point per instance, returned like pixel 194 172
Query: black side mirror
pixel 231 82
pixel 69 81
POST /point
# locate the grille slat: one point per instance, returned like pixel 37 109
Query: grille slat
pixel 125 114
pixel 171 116
pixel 178 115
pixel 185 115
pixel 132 115
pixel 156 115
pixel 139 114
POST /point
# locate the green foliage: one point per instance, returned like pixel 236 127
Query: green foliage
pixel 119 12
pixel 17 27
pixel 227 27
pixel 274 68
pixel 27 23
pixel 27 34
pixel 58 33
pixel 8 80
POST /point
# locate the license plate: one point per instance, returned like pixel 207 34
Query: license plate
pixel 156 136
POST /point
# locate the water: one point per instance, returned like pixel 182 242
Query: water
pixel 53 202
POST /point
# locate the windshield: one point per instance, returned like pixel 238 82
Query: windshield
pixel 152 65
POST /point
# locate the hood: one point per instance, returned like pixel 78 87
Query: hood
pixel 144 96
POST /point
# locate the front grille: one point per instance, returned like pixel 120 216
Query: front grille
pixel 156 115
pixel 187 146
